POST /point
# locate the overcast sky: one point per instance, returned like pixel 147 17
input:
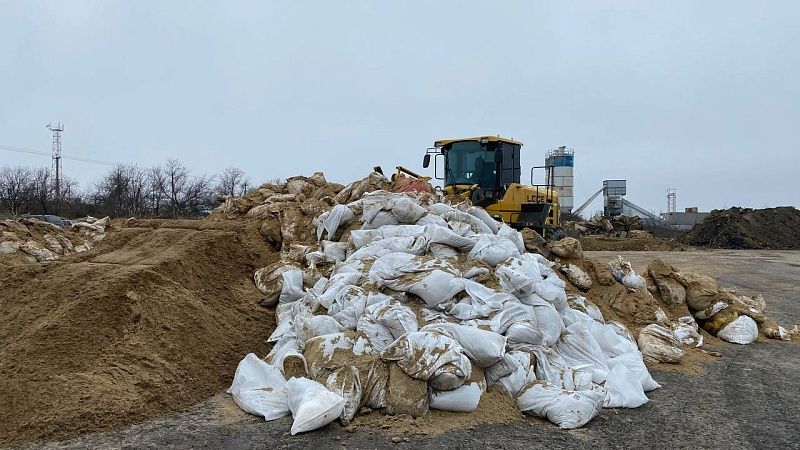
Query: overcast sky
pixel 702 96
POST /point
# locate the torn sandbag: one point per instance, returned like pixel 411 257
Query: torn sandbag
pixel 312 404
pixel 259 388
pixel 404 394
pixel 569 248
pixel 286 356
pixel 346 382
pixel 659 344
pixel 330 221
pixel 476 225
pixel 577 276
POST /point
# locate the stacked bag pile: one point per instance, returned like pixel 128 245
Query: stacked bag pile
pixel 409 304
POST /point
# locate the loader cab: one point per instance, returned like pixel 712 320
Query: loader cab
pixel 490 162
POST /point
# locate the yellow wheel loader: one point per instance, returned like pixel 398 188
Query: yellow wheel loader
pixel 486 169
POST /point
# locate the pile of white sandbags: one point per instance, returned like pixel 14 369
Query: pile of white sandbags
pixel 426 306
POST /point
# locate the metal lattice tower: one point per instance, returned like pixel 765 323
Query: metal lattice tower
pixel 672 200
pixel 57 129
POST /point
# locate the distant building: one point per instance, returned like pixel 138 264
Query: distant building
pixel 686 219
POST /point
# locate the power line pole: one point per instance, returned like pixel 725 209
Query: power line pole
pixel 57 129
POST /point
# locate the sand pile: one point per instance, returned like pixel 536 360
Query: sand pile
pixel 150 321
pixel 744 228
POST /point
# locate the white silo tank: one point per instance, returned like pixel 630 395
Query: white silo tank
pixel 562 161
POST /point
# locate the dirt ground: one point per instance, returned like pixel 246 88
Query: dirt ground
pixel 746 399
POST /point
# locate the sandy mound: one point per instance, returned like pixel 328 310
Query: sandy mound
pixel 152 320
pixel 743 228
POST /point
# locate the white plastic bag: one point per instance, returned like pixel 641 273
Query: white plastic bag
pixel 292 289
pixel 743 330
pixel 312 404
pixel 259 388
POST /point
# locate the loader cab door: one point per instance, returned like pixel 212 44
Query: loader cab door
pixel 470 162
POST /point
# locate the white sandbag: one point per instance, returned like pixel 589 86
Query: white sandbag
pixel 259 388
pixel 340 279
pixel 335 251
pixel 346 382
pixel 513 236
pixel 578 347
pixel 430 356
pixel 481 214
pixel 743 330
pixel 348 306
pixel 567 409
pixel 462 399
pixel 512 373
pixel 284 322
pixel 442 251
pixel 396 317
pixel 624 388
pixel 483 347
pixel 633 282
pixel 312 404
pixel 440 208
pixel 307 326
pixel 433 281
pixel 415 245
pixel 493 250
pixel 432 219
pixel 518 276
pixel 292 289
pixel 475 224
pixel 391 211
pixel 548 320
pixel 659 344
pixel 330 221
pixel 360 238
pixel 634 363
pixel 612 340
pixel 446 236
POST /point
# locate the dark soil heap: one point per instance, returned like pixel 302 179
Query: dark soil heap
pixel 744 228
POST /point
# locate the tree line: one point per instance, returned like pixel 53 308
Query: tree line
pixel 126 190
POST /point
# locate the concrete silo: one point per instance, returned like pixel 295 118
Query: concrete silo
pixel 562 162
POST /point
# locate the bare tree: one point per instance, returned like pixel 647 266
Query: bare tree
pixel 186 194
pixel 16 188
pixel 232 181
pixel 42 188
